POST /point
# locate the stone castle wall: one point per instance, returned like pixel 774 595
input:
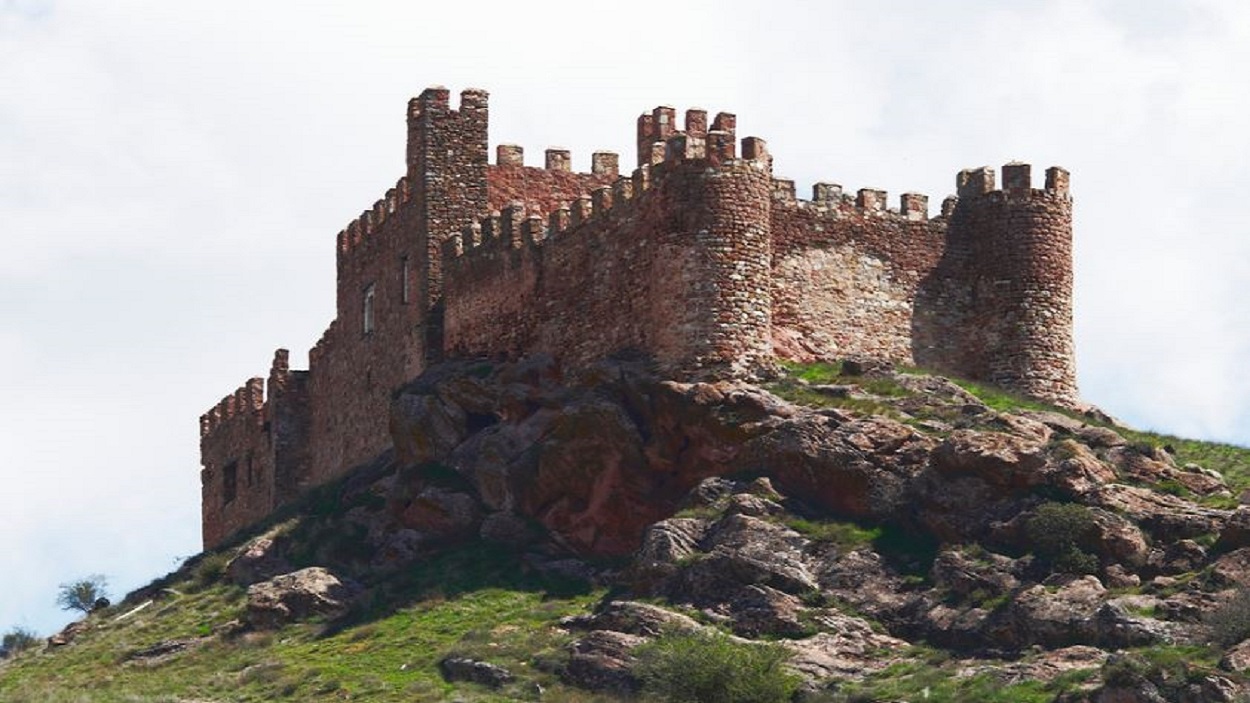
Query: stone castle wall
pixel 846 271
pixel 672 263
pixel 252 446
pixel 700 259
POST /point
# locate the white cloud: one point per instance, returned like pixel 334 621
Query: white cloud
pixel 172 176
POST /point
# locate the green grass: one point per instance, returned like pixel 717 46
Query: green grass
pixel 1231 461
pixel 936 682
pixel 844 535
pixel 473 602
pixel 873 396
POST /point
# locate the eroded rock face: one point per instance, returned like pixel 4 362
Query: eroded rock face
pixel 313 591
pixel 717 493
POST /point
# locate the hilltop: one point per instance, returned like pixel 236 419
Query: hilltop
pixel 847 531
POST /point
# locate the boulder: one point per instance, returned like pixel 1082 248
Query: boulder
pixel 258 560
pixel 69 633
pixel 1058 616
pixel 752 551
pixel 603 661
pixel 962 574
pixel 424 428
pixel 1232 569
pixel 442 514
pixel 857 469
pixel 1167 518
pixel 313 591
pixel 467 669
pixel 632 618
pixel 1044 666
pixel 1008 462
pixel 1236 531
pixel 848 648
pixel 669 541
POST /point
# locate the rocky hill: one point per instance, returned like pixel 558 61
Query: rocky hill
pixel 837 532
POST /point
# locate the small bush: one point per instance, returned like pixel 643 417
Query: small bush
pixel 18 639
pixel 702 667
pixel 1057 530
pixel 1230 623
pixel 210 569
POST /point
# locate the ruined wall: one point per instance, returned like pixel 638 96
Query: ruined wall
pixel 288 413
pixel 245 469
pixel 998 307
pixel 846 271
pixel 236 483
pixel 673 262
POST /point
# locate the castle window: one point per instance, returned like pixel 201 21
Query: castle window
pixel 368 321
pixel 403 280
pixel 230 483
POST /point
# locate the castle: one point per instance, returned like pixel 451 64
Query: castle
pixel 700 259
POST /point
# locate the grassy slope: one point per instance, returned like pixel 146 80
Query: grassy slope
pixel 467 602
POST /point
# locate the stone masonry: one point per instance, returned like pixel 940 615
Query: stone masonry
pixel 700 259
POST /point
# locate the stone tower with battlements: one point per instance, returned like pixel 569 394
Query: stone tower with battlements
pixel 701 259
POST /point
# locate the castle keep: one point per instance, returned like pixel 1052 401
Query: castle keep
pixel 700 258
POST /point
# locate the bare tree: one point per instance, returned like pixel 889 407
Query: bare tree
pixel 84 594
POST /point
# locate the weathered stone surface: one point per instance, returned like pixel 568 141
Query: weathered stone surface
pixel 313 591
pixel 1005 461
pixel 467 669
pixel 633 618
pixel 669 541
pixel 1165 517
pixel 1232 569
pixel 847 649
pixel 69 633
pixel 443 514
pixel 1044 666
pixel 858 469
pixel 603 661
pixel 258 560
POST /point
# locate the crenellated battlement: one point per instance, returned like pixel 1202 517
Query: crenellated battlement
pixel 512 227
pixel 701 258
pixel 246 404
pixel 830 199
pixel 602 163
pixel 1017 182
pixel 658 127
pixel 358 230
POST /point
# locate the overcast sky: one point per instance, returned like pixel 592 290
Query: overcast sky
pixel 172 176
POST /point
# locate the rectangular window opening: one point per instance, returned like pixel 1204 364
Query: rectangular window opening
pixel 230 483
pixel 403 280
pixel 368 321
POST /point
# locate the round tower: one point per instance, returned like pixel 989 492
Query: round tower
pixel 1018 244
pixel 718 256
